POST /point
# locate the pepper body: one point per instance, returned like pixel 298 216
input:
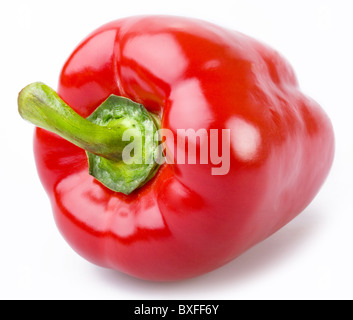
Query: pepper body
pixel 186 221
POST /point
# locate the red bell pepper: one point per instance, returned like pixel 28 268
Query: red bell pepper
pixel 182 218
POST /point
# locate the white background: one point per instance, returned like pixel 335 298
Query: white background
pixel 311 258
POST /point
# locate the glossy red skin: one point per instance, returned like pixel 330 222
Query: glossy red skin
pixel 185 221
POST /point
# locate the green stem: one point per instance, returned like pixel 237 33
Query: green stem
pixel 101 135
pixel 43 107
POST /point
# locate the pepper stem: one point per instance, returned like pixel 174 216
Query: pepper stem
pixel 102 134
pixel 42 106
